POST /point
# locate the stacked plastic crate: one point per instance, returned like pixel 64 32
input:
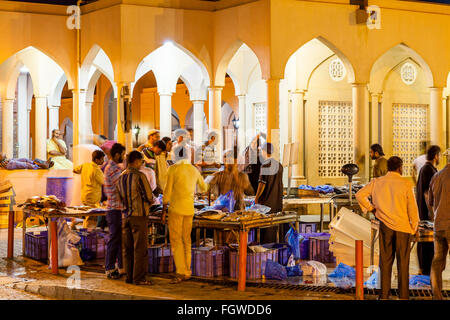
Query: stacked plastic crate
pixel 345 228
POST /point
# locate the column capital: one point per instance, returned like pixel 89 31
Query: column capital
pixel 198 101
pixel 53 107
pixel 165 94
pixel 215 88
pixel 358 84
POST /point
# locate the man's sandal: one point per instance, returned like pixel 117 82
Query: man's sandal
pixel 176 280
pixel 144 283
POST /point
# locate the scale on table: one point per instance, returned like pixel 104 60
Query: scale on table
pixel 350 169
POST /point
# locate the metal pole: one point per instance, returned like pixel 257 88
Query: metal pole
pixel 10 234
pixel 54 246
pixel 359 269
pixel 242 272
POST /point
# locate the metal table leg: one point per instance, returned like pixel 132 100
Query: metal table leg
pixel 197 237
pixel 24 230
pixel 321 216
pixel 258 235
pixel 10 235
pixel 54 240
pixel 242 272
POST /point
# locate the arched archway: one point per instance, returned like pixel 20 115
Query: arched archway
pixel 28 75
pixel 399 88
pixel 316 104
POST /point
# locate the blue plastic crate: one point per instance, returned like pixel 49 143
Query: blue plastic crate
pixel 93 243
pixel 160 259
pixel 283 251
pixel 36 245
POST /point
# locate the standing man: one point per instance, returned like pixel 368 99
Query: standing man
pixel 425 250
pixel 156 160
pixel 182 179
pixel 57 150
pixel 439 200
pixel 270 188
pixel 92 180
pixel 419 162
pixel 136 196
pixel 114 214
pixel 231 179
pixel 252 162
pixel 394 204
pixel 380 166
pixel 152 137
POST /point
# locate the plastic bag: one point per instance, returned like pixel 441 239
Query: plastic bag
pixel 225 202
pixel 294 271
pixel 419 280
pixel 68 253
pixel 343 270
pixel 317 268
pixel 259 208
pixel 344 282
pixel 293 239
pixel 275 271
pixel 291 261
pixel 373 281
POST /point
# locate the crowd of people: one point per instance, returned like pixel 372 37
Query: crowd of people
pixel 174 168
pixel 392 200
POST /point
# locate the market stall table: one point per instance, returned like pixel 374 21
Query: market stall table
pixel 243 227
pixel 53 235
pixel 312 200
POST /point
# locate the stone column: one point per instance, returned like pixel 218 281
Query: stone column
pixel 41 128
pixel 197 116
pixel 242 135
pixel 375 119
pixel 273 115
pixel 86 123
pixel 298 126
pixel 165 114
pixel 447 123
pixel 436 117
pixel 361 129
pixel 8 127
pixel 53 119
pixel 23 135
pixel 215 116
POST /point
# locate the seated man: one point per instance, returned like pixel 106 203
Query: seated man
pixel 23 163
pixel 56 151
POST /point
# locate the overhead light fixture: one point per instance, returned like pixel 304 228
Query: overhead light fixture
pixel 168 43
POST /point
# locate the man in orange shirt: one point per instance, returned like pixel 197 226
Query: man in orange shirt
pixel 394 204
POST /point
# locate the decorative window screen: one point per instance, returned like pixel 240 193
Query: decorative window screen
pixel 409 124
pixel 335 137
pixel 260 117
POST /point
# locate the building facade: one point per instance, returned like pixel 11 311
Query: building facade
pixel 329 75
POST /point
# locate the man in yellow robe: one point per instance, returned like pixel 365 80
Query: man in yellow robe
pixel 56 151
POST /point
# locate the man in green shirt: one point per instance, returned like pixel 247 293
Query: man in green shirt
pixel 380 166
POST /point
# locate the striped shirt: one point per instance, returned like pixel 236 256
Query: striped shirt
pixel 112 174
pixel 135 193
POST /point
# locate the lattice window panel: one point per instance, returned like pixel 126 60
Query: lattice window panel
pixel 409 124
pixel 260 117
pixel 335 137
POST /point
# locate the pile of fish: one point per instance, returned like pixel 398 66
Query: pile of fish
pixel 47 204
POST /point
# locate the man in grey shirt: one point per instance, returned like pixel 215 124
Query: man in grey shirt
pixel 439 200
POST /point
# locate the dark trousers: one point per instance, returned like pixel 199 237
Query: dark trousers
pixel 394 244
pixel 441 247
pixel 114 244
pixel 135 247
pixel 425 253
